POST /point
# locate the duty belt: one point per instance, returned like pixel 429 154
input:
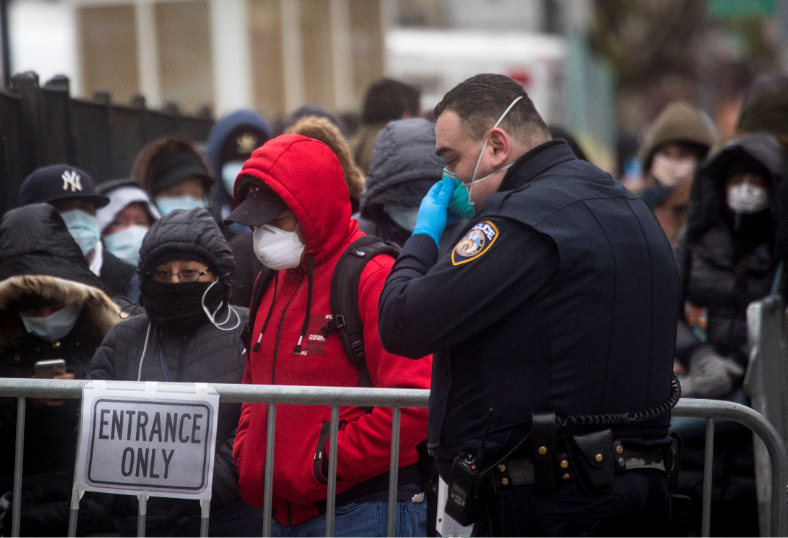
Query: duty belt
pixel 518 471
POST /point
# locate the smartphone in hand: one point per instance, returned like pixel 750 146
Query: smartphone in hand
pixel 49 369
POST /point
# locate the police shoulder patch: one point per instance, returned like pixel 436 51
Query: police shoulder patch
pixel 475 243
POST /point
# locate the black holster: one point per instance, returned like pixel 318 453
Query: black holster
pixel 591 457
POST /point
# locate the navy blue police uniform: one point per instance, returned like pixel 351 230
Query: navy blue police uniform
pixel 560 297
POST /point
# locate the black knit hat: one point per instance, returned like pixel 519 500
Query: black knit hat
pixel 59 182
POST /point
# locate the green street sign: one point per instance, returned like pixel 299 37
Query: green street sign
pixel 726 9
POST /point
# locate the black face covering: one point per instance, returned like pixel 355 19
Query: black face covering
pixel 178 307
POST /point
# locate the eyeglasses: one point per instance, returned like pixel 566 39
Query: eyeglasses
pixel 184 275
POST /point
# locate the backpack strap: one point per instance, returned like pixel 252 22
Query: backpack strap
pixel 260 285
pixel 343 298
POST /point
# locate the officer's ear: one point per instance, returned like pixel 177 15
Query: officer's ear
pixel 501 145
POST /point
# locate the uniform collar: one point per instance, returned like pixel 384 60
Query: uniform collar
pixel 535 162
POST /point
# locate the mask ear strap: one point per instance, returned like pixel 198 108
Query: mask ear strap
pixel 211 317
pixel 479 160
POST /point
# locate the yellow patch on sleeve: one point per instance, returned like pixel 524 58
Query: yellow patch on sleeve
pixel 476 242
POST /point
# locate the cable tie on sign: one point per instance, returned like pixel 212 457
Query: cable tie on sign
pixel 150 389
pixel 201 388
pixel 100 386
pixel 76 495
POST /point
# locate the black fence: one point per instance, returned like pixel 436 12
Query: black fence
pixel 41 125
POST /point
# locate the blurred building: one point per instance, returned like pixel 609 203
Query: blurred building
pixel 270 55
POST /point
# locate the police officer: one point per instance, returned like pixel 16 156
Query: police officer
pixel 559 302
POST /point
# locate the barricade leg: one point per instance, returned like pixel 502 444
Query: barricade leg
pixel 394 472
pixel 141 515
pixel 708 468
pixel 19 447
pixel 73 513
pixel 205 512
pixel 332 471
pixel 268 479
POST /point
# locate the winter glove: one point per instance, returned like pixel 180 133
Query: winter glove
pixel 433 210
pixel 710 375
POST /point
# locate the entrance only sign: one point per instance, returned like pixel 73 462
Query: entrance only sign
pixel 147 438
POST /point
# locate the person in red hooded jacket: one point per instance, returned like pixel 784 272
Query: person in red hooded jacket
pixel 292 191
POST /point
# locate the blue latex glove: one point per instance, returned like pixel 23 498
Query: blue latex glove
pixel 433 210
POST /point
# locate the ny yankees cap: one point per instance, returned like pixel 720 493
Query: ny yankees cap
pixel 59 182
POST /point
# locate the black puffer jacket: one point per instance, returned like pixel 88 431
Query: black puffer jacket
pixel 402 168
pixel 41 264
pixel 721 272
pixel 205 355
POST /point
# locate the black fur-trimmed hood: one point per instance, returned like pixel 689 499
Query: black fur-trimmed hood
pixel 41 263
pixel 99 313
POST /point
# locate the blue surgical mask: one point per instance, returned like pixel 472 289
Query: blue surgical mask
pixel 54 326
pixel 230 171
pixel 125 244
pixel 83 228
pixel 168 204
pixel 404 217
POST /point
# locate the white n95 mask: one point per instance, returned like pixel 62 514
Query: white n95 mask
pixel 276 248
pixel 745 199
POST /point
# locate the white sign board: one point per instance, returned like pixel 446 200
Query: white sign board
pixel 143 437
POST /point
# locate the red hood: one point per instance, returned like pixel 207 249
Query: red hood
pixel 308 177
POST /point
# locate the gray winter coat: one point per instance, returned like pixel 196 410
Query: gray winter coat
pixel 402 169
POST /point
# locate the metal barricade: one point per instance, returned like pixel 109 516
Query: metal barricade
pixel 396 399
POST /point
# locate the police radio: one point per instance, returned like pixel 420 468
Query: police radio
pixel 464 501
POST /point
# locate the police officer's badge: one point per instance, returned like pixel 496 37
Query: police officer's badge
pixel 475 243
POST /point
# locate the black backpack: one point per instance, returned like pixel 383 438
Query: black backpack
pixel 343 299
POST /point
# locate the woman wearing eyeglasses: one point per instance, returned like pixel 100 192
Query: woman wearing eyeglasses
pixel 187 333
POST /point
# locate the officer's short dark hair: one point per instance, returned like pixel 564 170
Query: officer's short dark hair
pixel 480 101
pixel 388 99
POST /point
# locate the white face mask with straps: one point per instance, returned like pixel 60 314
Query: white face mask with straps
pixel 276 248
pixel 469 185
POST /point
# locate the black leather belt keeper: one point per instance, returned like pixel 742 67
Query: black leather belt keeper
pixel 543 450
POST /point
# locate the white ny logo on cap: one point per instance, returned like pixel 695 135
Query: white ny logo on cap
pixel 71 178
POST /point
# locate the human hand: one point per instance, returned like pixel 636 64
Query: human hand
pixel 710 375
pixel 433 213
pixel 52 402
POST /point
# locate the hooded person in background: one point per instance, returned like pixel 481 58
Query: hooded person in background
pixel 51 307
pixel 231 141
pixel 187 334
pixel 70 191
pixel 765 108
pixel 385 100
pixel 402 168
pixel 174 174
pixel 736 237
pixel 677 141
pixel 124 222
pixel 301 231
pixel 318 128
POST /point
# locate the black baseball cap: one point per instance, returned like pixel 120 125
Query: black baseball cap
pixel 260 206
pixel 59 182
pixel 175 167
